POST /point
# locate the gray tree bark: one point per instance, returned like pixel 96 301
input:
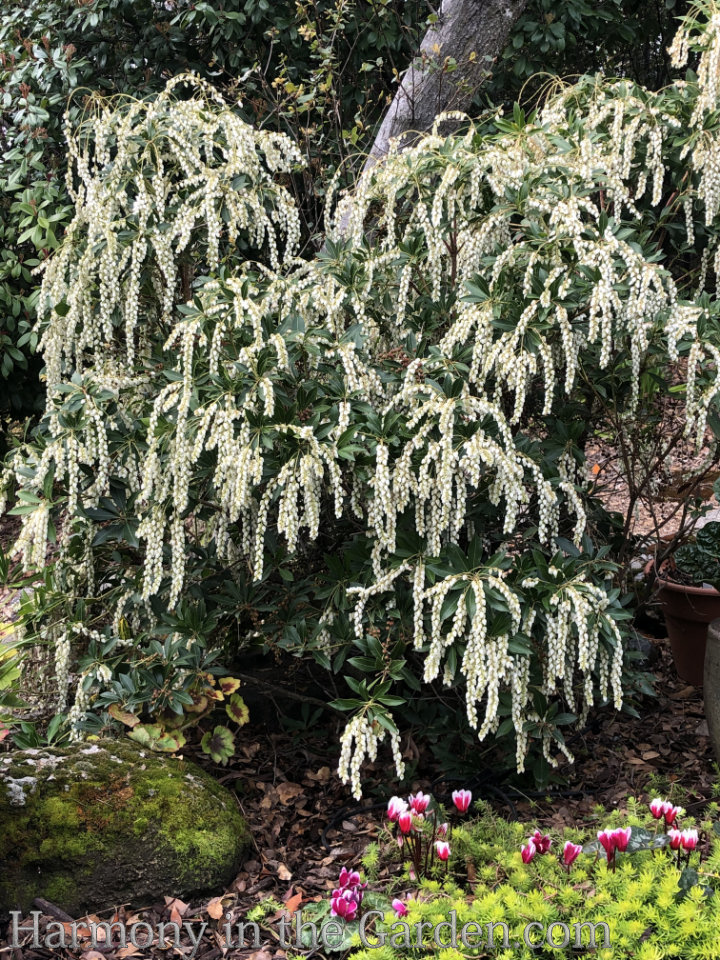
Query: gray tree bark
pixel 471 32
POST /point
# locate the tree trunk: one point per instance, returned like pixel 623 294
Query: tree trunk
pixel 470 32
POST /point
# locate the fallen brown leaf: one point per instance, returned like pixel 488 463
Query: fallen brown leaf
pixel 82 932
pixel 174 903
pixel 293 904
pixel 215 908
pixel 323 775
pixel 288 791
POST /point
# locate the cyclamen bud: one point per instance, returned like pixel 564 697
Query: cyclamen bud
pixel 571 851
pixel 442 829
pixel 442 849
pixel 462 800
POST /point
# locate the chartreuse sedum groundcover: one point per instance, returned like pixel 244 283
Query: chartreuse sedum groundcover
pixel 376 449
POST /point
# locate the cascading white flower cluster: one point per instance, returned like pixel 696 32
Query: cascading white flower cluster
pixel 148 177
pixel 515 242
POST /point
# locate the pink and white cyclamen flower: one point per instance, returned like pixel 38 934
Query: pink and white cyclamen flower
pixel 405 821
pixel 462 800
pixel 396 806
pixel 689 839
pixel 675 839
pixel 658 807
pixel 442 849
pixel 419 802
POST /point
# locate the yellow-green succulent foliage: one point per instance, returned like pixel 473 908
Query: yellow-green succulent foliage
pixel 648 915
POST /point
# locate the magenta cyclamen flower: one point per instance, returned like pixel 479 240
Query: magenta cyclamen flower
pixel 462 800
pixel 442 849
pixel 350 879
pixel 542 841
pixel 528 852
pixel 689 839
pixel 344 904
pixel 396 806
pixel 571 851
pixel 346 900
pixel 419 802
pixel 399 908
pixel 672 813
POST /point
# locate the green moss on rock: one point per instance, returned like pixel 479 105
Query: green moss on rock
pixel 99 824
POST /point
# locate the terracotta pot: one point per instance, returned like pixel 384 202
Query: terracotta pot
pixel 687 612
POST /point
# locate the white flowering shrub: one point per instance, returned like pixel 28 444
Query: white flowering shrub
pixel 374 457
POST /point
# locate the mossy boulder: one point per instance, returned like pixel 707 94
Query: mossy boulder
pixel 99 824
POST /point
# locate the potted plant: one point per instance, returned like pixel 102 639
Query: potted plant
pixel 687 590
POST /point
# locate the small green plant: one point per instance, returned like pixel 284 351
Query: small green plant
pixel 30 735
pixel 186 709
